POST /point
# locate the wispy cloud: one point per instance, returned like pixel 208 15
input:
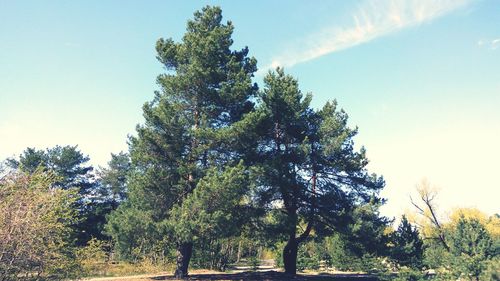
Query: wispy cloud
pixel 372 19
pixel 495 43
pixel 492 44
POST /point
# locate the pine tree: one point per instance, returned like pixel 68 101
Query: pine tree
pixel 309 167
pixel 206 89
pixel 408 247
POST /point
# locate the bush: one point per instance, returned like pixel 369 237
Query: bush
pixel 93 258
pixel 35 228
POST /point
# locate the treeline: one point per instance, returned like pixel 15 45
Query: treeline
pixel 220 171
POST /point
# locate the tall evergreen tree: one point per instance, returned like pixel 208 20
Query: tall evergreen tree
pixel 310 169
pixel 207 87
pixel 408 246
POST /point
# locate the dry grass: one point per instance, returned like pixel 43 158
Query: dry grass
pixel 127 271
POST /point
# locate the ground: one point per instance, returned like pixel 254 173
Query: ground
pixel 245 276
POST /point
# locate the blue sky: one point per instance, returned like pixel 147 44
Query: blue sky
pixel 421 79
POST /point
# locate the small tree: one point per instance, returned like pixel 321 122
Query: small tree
pixel 35 232
pixel 426 207
pixel 471 246
pixel 408 247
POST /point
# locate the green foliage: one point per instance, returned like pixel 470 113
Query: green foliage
pixel 66 161
pixel 134 233
pixel 360 245
pixel 435 255
pixel 338 254
pixel 491 270
pixel 214 207
pixel 29 160
pixel 471 246
pixel 366 231
pixel 334 250
pixel 114 178
pixel 407 247
pixel 213 254
pixel 309 256
pixel 35 233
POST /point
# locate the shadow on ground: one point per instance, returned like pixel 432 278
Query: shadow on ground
pixel 272 276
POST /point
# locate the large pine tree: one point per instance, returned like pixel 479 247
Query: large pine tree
pixel 206 88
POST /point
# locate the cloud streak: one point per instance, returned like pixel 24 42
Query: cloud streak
pixel 491 44
pixel 371 20
pixel 495 43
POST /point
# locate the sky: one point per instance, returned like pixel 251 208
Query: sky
pixel 419 78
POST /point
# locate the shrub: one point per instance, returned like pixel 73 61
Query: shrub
pixel 35 233
pixel 93 258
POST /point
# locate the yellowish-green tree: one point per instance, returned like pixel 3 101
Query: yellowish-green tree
pixel 490 223
pixel 464 241
pixel 35 233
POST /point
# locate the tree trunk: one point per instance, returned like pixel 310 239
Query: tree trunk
pixel 290 256
pixel 184 251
